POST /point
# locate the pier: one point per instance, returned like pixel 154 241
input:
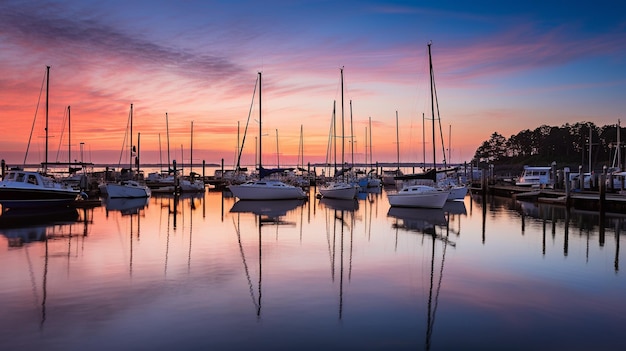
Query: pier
pixel 595 199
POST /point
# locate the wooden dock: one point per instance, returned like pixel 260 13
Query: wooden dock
pixel 584 200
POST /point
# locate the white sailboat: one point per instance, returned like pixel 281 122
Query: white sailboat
pixel 127 188
pixel 265 189
pixel 340 189
pixel 419 196
pixel 422 195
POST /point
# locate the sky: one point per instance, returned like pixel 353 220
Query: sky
pixel 498 67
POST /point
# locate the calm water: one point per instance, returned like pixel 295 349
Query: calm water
pixel 208 272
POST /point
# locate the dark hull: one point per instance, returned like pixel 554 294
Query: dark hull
pixel 29 198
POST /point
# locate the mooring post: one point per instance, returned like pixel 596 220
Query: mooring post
pixel 602 188
pixel 567 185
pixel 581 178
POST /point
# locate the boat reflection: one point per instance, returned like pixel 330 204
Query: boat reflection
pixel 126 205
pixel 21 226
pixel 349 205
pixel 272 209
pixel 421 220
pixel 455 208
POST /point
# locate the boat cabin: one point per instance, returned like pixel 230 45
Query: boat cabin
pixel 536 177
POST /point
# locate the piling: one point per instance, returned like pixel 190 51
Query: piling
pixel 581 179
pixel 4 165
pixel 567 187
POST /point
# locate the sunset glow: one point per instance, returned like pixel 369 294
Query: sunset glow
pixel 498 68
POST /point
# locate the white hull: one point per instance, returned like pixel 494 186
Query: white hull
pixel 266 190
pixel 128 189
pixel 187 186
pixel 457 193
pixel 419 196
pixel 339 191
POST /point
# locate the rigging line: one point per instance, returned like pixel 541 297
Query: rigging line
pixel 124 142
pixel 245 131
pixel 32 128
pixel 330 141
pixel 62 132
pixel 443 148
pixel 245 265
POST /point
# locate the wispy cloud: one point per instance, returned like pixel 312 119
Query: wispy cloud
pixel 87 41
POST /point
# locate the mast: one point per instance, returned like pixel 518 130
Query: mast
pixel 334 134
pixel 131 139
pixel 69 141
pixel 160 154
pixel 432 101
pixel 351 135
pixel 167 130
pixel 371 152
pixel 137 162
pixel 590 143
pixel 45 168
pixel 397 145
pixel 277 152
pixel 366 147
pixel 260 129
pixel 342 130
pixel 424 140
pixel 450 143
pixel 191 149
pixel 619 155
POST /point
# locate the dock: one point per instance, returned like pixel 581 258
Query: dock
pixel 584 200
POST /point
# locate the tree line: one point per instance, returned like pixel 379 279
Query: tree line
pixel 568 145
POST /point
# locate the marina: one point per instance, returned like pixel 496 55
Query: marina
pixel 205 270
pixel 255 176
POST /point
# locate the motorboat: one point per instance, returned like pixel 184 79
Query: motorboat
pixel 419 196
pixel 25 189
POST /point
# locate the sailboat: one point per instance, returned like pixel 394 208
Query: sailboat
pixel 265 189
pixel 29 189
pixel 340 189
pixel 422 195
pixel 127 188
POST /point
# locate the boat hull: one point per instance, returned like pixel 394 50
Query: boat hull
pixel 457 193
pixel 435 199
pixel 342 191
pixel 29 198
pixel 266 191
pixel 126 191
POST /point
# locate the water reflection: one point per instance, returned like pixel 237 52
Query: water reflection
pixel 557 220
pixel 126 206
pixel 421 220
pixel 349 205
pixel 271 209
pixel 54 228
pixel 23 225
pixel 206 267
pixel 336 219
